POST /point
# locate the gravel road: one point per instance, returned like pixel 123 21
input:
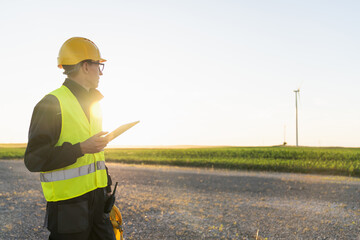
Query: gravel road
pixel 190 203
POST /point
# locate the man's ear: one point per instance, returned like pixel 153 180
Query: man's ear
pixel 85 67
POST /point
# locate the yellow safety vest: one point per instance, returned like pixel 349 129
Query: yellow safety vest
pixel 88 172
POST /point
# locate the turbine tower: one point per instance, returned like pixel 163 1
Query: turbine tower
pixel 297 92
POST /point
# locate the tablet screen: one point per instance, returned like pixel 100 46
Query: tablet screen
pixel 120 130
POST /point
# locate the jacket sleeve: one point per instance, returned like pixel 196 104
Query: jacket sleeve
pixel 41 154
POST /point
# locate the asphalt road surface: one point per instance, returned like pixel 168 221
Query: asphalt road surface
pixel 188 203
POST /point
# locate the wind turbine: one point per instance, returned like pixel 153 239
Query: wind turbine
pixel 297 92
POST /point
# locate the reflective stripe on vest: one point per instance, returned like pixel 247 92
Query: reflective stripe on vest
pixel 71 173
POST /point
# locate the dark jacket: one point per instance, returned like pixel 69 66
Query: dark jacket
pixel 41 154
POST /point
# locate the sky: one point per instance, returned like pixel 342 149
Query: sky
pixel 194 72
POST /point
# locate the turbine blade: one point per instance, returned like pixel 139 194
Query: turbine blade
pixel 300 85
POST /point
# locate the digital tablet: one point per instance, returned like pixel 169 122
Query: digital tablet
pixel 120 130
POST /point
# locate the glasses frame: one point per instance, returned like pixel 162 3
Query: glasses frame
pixel 101 65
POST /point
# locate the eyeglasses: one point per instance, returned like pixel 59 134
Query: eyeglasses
pixel 101 65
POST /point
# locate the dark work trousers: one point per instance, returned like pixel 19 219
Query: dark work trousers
pixel 80 218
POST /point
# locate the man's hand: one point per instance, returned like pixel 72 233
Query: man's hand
pixel 94 144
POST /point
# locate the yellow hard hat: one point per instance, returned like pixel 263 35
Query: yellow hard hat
pixel 78 49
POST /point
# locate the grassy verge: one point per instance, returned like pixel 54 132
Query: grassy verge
pixel 12 153
pixel 337 161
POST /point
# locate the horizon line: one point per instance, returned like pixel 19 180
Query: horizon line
pixel 177 146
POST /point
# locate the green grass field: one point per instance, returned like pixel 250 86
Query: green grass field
pixel 12 151
pixel 337 161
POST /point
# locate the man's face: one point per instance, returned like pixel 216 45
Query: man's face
pixel 94 74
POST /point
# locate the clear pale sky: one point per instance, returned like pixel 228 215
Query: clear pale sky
pixel 194 72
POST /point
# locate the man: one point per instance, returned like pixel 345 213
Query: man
pixel 66 145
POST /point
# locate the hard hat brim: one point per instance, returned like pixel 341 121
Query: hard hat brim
pixel 101 60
